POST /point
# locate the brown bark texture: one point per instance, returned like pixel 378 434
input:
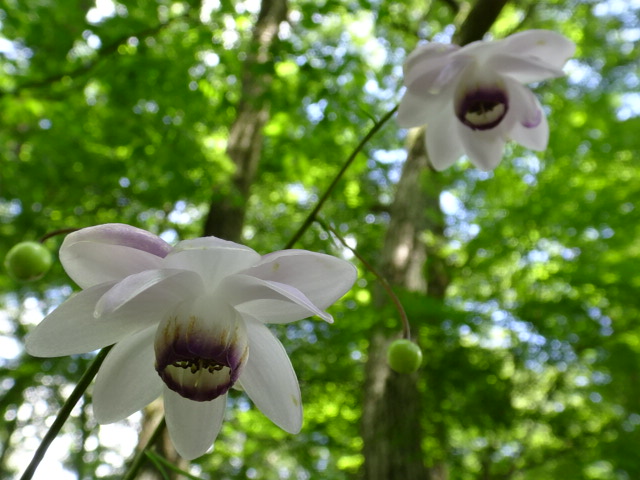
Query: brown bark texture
pixel 244 147
pixel 392 427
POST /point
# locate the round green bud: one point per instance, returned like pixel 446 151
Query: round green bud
pixel 404 356
pixel 28 261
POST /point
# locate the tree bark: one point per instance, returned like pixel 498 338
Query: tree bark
pixel 393 405
pixel 392 417
pixel 244 147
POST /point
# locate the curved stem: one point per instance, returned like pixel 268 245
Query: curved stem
pixel 64 413
pixel 140 457
pixel 61 231
pixel 406 327
pixel 311 217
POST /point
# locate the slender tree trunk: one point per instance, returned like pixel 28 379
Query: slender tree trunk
pixel 393 404
pixel 392 418
pixel 228 207
pixel 226 214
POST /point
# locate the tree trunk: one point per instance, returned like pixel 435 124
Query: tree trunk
pixel 228 207
pixel 392 427
pixel 244 147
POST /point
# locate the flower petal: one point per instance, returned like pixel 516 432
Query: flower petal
pixel 535 138
pixel 71 328
pixel 417 110
pixel 271 302
pixel 431 67
pixel 532 56
pixel 323 279
pixel 110 252
pixel 170 286
pixel 529 124
pixel 269 379
pixel 127 380
pixel 549 46
pixel 193 426
pixel 484 148
pixel 443 143
pixel 212 258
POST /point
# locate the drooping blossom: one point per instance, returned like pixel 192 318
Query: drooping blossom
pixel 188 323
pixel 472 98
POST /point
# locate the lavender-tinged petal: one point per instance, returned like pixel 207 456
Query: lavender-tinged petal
pixel 535 138
pixel 127 380
pixel 193 426
pixel 269 379
pixel 120 234
pixel 90 263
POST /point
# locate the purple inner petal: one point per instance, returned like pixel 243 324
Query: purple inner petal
pixel 483 109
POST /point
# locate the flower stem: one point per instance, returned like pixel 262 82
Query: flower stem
pixel 141 456
pixel 61 231
pixel 406 327
pixel 64 413
pixel 311 217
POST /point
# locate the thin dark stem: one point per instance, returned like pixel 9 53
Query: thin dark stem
pixel 406 327
pixel 141 456
pixel 62 231
pixel 311 217
pixel 64 413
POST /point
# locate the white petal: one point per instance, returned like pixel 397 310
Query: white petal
pixel 430 68
pixel 271 302
pixel 110 252
pixel 535 138
pixel 127 380
pixel 418 110
pixel 193 426
pixel 550 47
pixel 523 69
pixel 71 328
pixel 443 144
pixel 412 111
pixel 269 379
pixel 484 148
pixel 212 258
pixel 323 279
pixel 169 285
pixel 524 107
pixel 529 125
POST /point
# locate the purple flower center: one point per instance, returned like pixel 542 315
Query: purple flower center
pixel 483 109
pixel 194 362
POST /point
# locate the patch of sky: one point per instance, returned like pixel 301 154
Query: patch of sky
pixel 630 106
pixel 184 213
pixel 583 75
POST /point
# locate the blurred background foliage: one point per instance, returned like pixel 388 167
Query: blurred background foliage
pixel 116 112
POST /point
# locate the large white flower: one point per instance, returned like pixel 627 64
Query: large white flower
pixel 473 100
pixel 189 323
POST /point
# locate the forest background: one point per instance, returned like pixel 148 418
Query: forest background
pixel 231 119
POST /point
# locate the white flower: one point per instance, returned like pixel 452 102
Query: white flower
pixel 473 100
pixel 188 323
